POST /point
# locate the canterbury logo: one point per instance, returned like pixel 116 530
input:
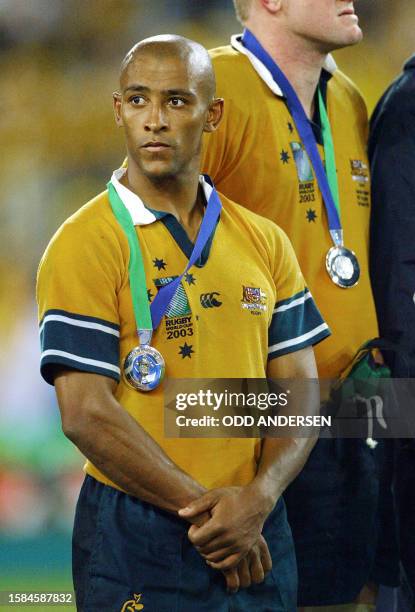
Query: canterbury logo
pixel 208 300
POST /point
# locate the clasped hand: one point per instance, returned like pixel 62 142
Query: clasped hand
pixel 230 536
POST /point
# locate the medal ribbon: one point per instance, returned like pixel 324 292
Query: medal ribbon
pixel 326 182
pixel 147 317
pixel 329 153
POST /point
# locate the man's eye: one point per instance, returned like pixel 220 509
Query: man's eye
pixel 176 102
pixel 137 100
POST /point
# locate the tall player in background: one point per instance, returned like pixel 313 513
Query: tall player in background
pixel 287 108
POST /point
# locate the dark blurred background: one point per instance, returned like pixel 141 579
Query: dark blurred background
pixel 59 66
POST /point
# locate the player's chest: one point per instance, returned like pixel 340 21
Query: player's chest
pixel 231 292
pixel 284 162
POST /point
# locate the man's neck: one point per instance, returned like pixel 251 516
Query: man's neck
pixel 299 61
pixel 180 197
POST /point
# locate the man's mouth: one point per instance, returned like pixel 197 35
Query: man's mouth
pixel 347 11
pixel 155 145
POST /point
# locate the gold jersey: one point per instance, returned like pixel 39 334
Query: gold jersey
pixel 242 303
pixel 257 159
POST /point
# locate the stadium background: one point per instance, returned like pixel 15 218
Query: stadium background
pixel 59 62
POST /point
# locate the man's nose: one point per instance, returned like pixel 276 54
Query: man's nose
pixel 156 119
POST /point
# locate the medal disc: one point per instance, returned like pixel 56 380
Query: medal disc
pixel 144 368
pixel 343 267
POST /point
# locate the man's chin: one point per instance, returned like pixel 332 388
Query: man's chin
pixel 353 37
pixel 356 35
pixel 158 172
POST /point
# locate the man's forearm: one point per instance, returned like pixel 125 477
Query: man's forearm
pixel 282 458
pixel 124 452
pixel 281 461
pixel 119 447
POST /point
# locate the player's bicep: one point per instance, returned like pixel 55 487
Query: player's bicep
pixel 300 364
pixel 81 395
pixel 298 372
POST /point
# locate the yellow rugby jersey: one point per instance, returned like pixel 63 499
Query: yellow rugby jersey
pixel 257 159
pixel 212 328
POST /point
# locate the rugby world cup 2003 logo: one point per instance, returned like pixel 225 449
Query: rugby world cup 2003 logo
pixel 132 605
pixel 254 300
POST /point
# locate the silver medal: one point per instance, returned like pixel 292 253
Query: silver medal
pixel 343 267
pixel 144 368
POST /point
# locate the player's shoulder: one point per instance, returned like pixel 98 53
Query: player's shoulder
pixel 346 89
pixel 232 68
pixel 96 211
pixel 90 224
pixel 225 55
pixel 266 230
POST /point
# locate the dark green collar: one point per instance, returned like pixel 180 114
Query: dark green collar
pixel 181 238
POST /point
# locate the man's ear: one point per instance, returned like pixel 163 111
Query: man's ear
pixel 214 116
pixel 117 99
pixel 272 6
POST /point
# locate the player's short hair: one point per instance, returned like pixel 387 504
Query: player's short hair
pixel 242 8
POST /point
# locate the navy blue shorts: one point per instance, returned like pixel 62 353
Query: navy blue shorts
pixel 334 512
pixel 129 553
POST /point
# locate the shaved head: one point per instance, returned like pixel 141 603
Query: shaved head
pixel 167 101
pixel 193 55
